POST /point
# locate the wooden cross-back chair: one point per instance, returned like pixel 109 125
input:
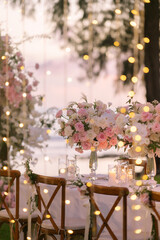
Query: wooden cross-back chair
pixel 7 214
pixel 47 224
pixel 155 197
pixel 44 206
pixel 119 193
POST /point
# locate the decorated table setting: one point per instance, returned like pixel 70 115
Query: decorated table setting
pixel 95 127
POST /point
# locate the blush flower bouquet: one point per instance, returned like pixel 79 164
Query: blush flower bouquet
pixel 88 125
pixel 141 133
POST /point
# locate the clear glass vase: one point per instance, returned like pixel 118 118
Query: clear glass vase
pixel 93 164
pixel 151 170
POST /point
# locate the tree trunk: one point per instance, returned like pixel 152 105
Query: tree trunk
pixel 151 30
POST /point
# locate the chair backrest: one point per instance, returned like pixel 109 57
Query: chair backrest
pixel 44 206
pixel 155 197
pixel 11 180
pixel 119 193
pixel 137 162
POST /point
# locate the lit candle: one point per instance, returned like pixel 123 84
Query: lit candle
pixel 112 175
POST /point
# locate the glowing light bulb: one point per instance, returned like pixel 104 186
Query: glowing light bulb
pixel 139 183
pixel 123 110
pixel 21 151
pixel 117 208
pixel 133 24
pixel 123 77
pixel 46 158
pixel 144 177
pixel 3 57
pixel 94 22
pixel 5 193
pixel 89 184
pixel 45 190
pixel 70 231
pixel 48 73
pixel 146 70
pixel 86 57
pixel 69 79
pixel 131 93
pixel 48 131
pixel 25 209
pixel 5 168
pixel 131 59
pixel 4 139
pixel 147 1
pixel 12 221
pixel 118 11
pixel 67 49
pixel 25 182
pixel 116 43
pixel 138 138
pixel 22 67
pixel 138 231
pixel 24 95
pixel 138 149
pixel 134 79
pixel 120 144
pixel 131 114
pixel 8 113
pixel 139 46
pixel 133 128
pixel 48 216
pixel 136 207
pixel 97 212
pixel 146 109
pixel 21 125
pixel 28 238
pixel 146 39
pixel 133 197
pixel 137 218
pixel 7 84
pixel 67 202
pixel 134 12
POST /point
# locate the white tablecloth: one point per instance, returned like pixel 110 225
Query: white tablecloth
pixel 76 209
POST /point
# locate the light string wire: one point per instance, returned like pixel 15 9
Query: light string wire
pixel 65 36
pixel 90 46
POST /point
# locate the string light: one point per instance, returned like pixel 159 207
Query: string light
pixel 139 183
pixel 21 151
pixel 24 95
pixel 22 67
pixel 120 144
pixel 7 113
pixel 137 218
pixel 4 139
pixel 123 77
pixel 134 12
pixel 45 191
pixel 138 231
pixel 89 184
pixel 131 93
pixel 48 131
pixel 139 46
pixel 5 193
pixel 21 125
pixel 146 70
pixel 118 11
pixel 5 168
pixel 133 128
pixel 133 197
pixel 25 209
pixel 134 79
pixel 138 138
pixel 146 109
pixel 69 79
pixel 3 57
pixel 146 39
pixel 147 1
pixel 116 43
pixel 68 49
pixel 138 149
pixel 123 110
pixel 136 207
pixel 117 208
pixel 6 83
pixel 25 182
pixel 48 216
pixel 67 202
pixel 48 72
pixel 94 22
pixel 28 238
pixel 46 158
pixel 138 161
pixel 133 24
pixel 86 57
pixel 131 114
pixel 12 221
pixel 97 212
pixel 131 59
pixel 70 231
pixel 144 177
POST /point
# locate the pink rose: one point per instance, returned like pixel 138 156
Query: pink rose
pixel 101 137
pixel 76 137
pixel 59 114
pixel 109 132
pixel 79 127
pixel 69 112
pixel 144 198
pixel 146 116
pixel 113 141
pixel 156 127
pixel 82 112
pixel 79 150
pixel 86 145
pixel 103 145
pixel 83 136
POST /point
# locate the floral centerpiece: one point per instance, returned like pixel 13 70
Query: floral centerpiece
pixel 141 133
pixel 88 126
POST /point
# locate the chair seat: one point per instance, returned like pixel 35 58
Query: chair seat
pixel 22 215
pixel 71 223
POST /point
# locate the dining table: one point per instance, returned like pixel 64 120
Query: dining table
pixel 139 223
